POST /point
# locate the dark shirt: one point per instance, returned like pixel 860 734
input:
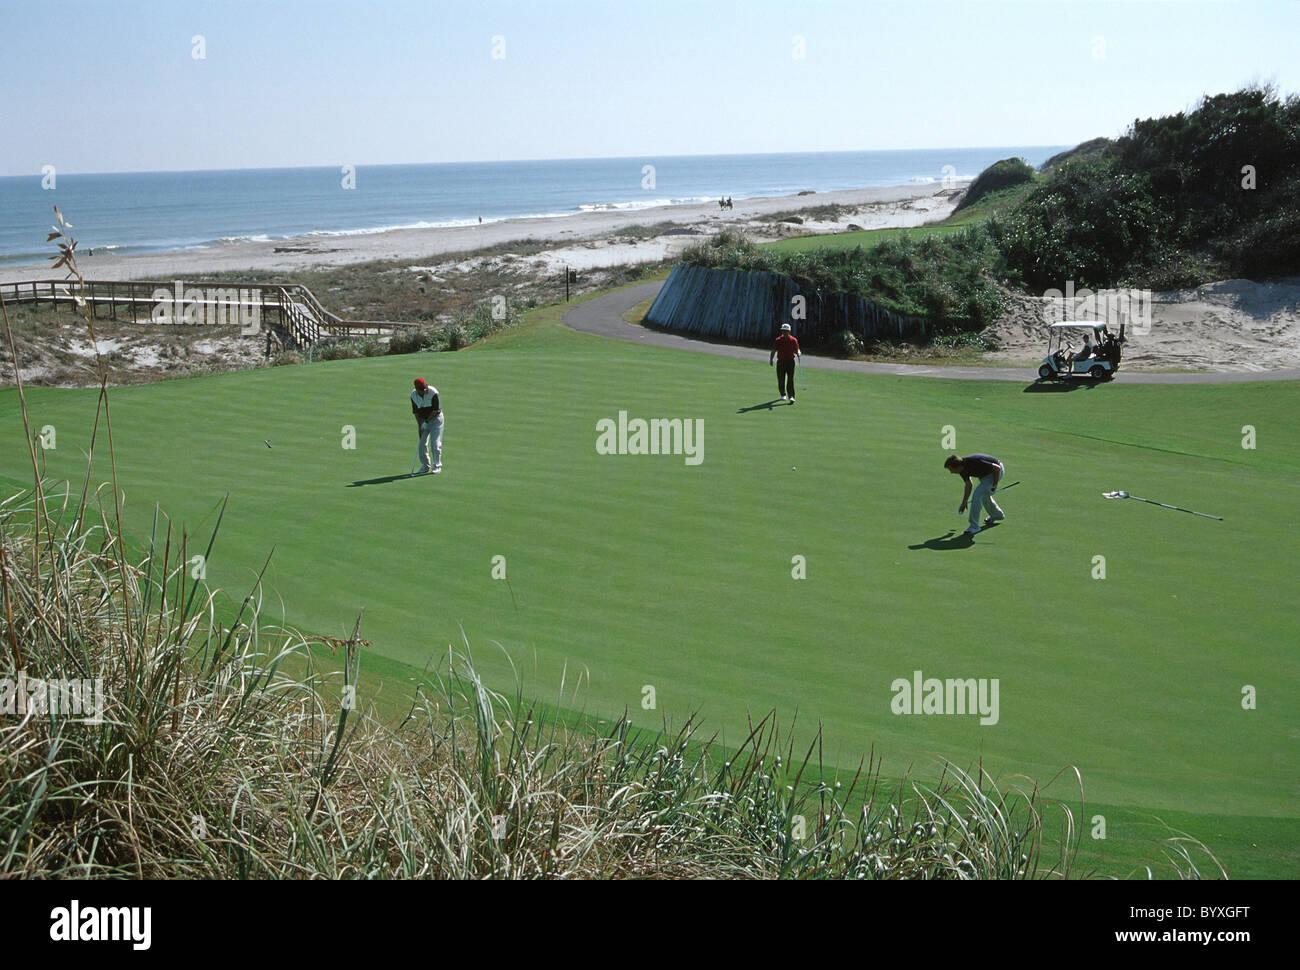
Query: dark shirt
pixel 978 466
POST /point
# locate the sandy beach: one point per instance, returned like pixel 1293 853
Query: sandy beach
pixel 574 235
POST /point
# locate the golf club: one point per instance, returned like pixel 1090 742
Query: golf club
pixel 802 385
pixel 1003 488
pixel 1161 504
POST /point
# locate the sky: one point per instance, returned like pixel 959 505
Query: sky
pixel 119 85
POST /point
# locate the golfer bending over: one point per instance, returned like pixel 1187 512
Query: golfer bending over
pixel 428 415
pixel 989 471
pixel 785 349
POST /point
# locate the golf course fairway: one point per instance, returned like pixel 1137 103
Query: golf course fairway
pixel 1171 683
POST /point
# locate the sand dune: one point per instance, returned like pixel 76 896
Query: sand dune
pixel 1231 326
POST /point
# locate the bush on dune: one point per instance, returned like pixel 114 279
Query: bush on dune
pixel 1088 223
pixel 1168 204
pixel 1001 175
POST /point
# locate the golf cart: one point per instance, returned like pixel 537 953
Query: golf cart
pixel 1098 364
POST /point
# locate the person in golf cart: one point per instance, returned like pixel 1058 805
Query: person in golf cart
pixel 1099 358
pixel 1109 349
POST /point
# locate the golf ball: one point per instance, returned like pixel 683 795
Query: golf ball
pixel 793 468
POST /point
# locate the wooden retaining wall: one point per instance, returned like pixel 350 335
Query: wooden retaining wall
pixel 749 307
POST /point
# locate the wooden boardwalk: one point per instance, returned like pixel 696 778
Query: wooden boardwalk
pixel 289 310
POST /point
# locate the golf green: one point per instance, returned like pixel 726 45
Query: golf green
pixel 650 579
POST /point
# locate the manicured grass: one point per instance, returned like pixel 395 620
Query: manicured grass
pixel 636 572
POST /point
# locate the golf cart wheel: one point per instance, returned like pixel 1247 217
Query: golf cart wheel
pixel 1044 372
pixel 1098 373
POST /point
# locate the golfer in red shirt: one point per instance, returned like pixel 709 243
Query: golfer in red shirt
pixel 784 350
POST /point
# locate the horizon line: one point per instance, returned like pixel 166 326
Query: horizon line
pixel 510 161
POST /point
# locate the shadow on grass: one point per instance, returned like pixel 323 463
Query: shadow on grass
pixel 1071 384
pixel 382 481
pixel 952 539
pixel 765 406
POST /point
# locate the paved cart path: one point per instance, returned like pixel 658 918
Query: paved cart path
pixel 604 316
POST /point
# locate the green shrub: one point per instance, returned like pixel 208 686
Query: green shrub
pixel 847 344
pixel 1167 204
pixel 456 336
pixel 338 350
pixel 964 340
pixel 998 176
pixel 410 340
pixel 1090 222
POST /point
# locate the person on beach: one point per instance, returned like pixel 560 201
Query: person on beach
pixel 989 471
pixel 428 416
pixel 784 350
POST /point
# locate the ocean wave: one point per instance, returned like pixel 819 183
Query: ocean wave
pixel 372 230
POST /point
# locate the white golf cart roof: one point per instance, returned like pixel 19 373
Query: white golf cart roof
pixel 1097 327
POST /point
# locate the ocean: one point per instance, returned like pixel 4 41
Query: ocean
pixel 166 211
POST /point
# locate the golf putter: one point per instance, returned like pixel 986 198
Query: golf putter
pixel 1176 508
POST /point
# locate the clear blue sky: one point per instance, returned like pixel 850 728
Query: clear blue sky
pixel 113 86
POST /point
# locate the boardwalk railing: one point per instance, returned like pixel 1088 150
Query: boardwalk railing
pixel 290 309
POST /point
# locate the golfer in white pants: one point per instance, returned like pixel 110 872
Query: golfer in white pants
pixel 989 471
pixel 428 415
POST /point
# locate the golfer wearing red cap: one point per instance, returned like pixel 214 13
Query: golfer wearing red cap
pixel 785 349
pixel 428 415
